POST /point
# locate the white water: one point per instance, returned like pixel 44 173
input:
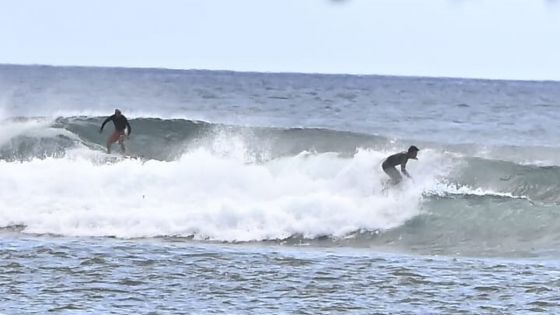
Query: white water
pixel 211 195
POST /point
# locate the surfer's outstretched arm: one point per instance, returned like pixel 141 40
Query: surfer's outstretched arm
pixel 106 121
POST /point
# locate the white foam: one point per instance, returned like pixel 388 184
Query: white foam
pixel 212 196
pixel 443 189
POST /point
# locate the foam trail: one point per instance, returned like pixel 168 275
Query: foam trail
pixel 206 195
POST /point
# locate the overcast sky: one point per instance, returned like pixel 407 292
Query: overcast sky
pixel 506 39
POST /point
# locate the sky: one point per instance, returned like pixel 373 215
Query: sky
pixel 492 39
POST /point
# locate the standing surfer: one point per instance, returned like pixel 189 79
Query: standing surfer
pixel 121 123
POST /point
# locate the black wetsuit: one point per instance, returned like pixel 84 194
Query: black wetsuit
pixel 392 161
pixel 120 122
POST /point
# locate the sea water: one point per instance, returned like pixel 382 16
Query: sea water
pixel 263 193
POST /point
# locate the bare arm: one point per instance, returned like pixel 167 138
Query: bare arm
pixel 403 168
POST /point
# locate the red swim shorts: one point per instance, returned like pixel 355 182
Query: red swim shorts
pixel 116 136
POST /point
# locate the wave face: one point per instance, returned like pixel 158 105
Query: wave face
pixel 288 182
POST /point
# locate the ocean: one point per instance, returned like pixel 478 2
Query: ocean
pixel 251 193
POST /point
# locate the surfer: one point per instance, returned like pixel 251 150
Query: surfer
pixel 121 123
pixel 399 159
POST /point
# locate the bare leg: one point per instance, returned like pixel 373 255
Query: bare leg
pixel 394 174
pixel 123 148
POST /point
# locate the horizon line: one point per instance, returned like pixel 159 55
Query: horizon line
pixel 410 76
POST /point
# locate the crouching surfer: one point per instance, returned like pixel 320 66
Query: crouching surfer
pixel 399 159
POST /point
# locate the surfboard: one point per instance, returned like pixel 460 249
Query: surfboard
pixel 127 156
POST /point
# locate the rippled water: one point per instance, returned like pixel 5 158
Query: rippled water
pixel 75 275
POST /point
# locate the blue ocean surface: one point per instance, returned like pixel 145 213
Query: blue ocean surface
pixel 245 193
